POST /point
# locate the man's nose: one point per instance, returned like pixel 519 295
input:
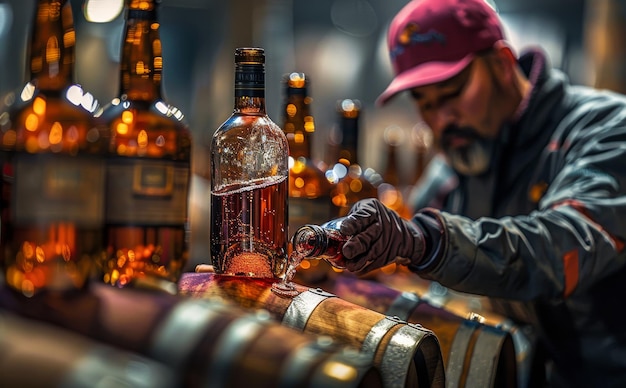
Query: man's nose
pixel 445 116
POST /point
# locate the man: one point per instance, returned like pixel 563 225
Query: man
pixel 538 213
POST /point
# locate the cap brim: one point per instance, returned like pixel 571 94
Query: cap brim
pixel 424 74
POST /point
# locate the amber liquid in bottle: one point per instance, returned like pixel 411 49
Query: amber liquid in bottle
pixel 351 181
pixel 309 190
pixel 52 154
pixel 391 190
pixel 249 181
pixel 148 169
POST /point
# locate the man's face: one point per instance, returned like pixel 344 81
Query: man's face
pixel 463 115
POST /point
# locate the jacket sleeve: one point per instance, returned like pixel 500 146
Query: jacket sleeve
pixel 574 239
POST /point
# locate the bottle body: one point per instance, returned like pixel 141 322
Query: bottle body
pixel 249 181
pixel 309 190
pixel 391 191
pixel 321 242
pixel 351 182
pixel 148 166
pixel 53 160
pixel 147 189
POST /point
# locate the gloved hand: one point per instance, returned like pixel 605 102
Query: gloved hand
pixel 379 237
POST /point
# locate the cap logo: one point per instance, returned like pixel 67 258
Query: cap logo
pixel 411 35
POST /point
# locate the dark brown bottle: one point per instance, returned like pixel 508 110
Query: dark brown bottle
pixel 148 168
pixel 391 190
pixel 351 181
pixel 249 178
pixel 309 190
pixel 52 155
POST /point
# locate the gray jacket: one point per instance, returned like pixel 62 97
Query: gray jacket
pixel 546 226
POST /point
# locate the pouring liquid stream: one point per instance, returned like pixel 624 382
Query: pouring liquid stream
pixel 286 288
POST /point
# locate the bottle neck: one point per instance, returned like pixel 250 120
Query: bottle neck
pixel 249 88
pixel 53 39
pixel 298 125
pixel 310 240
pixel 141 66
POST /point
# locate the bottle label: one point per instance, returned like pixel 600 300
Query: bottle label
pixel 147 192
pixel 250 80
pixel 308 211
pixel 52 188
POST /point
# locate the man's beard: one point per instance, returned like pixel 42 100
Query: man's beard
pixel 473 159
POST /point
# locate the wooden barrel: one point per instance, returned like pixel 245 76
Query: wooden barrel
pixel 205 342
pixel 478 351
pixel 34 354
pixel 405 354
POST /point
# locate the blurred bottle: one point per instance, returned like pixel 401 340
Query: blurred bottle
pixel 309 190
pixel 351 181
pixel 421 140
pixel 249 180
pixel 391 190
pixel 148 169
pixel 52 155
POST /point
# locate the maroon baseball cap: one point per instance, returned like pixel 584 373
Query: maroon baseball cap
pixel 432 40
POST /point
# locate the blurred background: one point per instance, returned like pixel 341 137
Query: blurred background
pixel 339 44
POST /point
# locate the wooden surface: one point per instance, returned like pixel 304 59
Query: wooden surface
pixel 342 320
pixel 201 340
pixel 446 315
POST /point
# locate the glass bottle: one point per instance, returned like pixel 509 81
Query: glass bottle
pixel 351 181
pixel 52 155
pixel 249 180
pixel 321 242
pixel 390 191
pixel 148 168
pixel 309 190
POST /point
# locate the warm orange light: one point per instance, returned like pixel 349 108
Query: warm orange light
pixel 28 250
pixel 140 68
pixel 291 110
pixel 299 137
pixel 356 186
pixel 298 166
pixel 69 38
pixel 121 128
pixel 158 63
pixel 142 139
pixel 39 106
pixel 40 255
pixel 309 124
pixel 127 117
pixel 56 133
pixel 156 45
pixel 32 122
pixel 53 53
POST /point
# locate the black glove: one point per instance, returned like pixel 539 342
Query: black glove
pixel 379 237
